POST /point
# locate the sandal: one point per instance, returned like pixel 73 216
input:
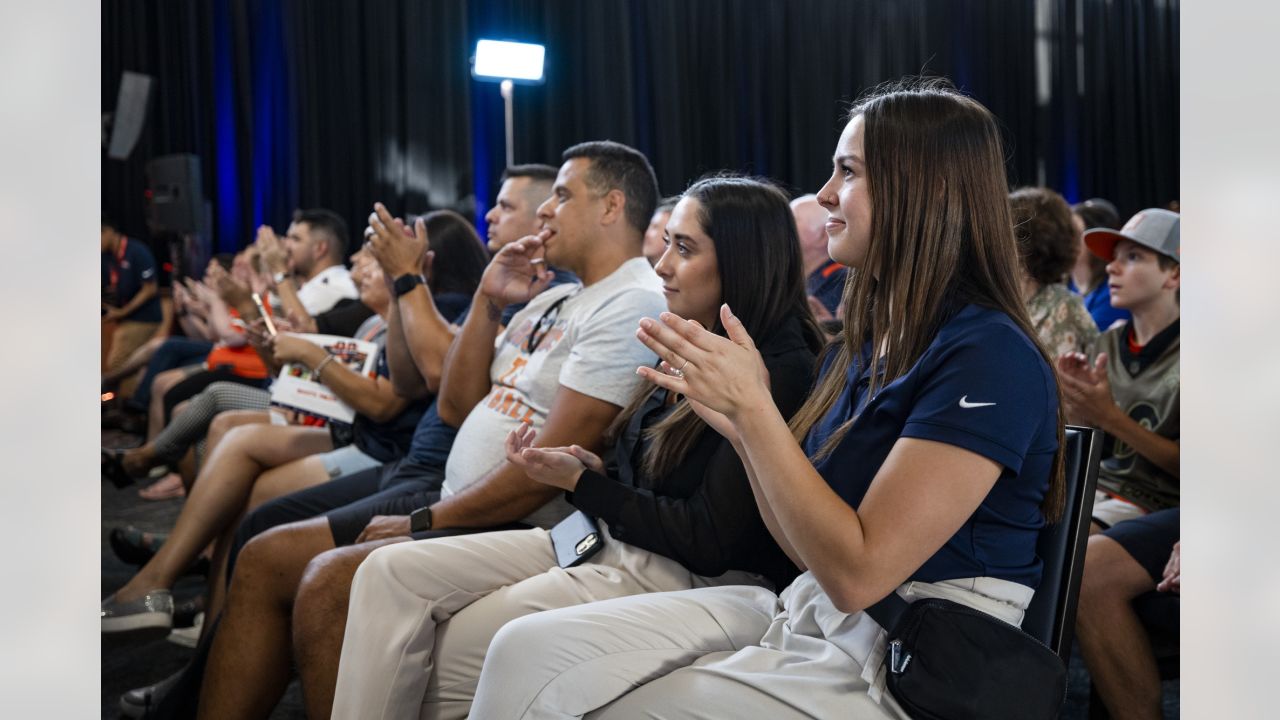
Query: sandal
pixel 166 488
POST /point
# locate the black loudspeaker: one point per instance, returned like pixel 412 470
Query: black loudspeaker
pixel 174 193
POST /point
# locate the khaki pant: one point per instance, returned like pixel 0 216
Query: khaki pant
pixel 127 337
pixel 422 614
pixel 724 652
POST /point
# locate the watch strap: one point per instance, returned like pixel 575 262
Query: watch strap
pixel 407 282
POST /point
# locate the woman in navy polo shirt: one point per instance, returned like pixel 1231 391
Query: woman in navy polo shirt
pixel 924 461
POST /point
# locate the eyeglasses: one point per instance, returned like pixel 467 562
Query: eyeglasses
pixel 544 325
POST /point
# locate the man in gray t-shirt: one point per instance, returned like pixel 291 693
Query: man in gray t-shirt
pixel 566 363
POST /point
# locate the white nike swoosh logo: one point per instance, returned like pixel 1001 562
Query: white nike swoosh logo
pixel 964 403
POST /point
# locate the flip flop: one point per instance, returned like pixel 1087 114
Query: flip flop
pixel 166 488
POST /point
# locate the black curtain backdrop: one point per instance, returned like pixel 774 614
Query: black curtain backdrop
pixel 334 103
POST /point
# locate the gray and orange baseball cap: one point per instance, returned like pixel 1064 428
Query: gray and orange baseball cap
pixel 1153 228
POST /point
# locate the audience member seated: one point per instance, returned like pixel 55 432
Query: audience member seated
pixel 1089 276
pixel 881 483
pixel 676 508
pixel 824 277
pixel 1130 560
pixel 1131 388
pixel 564 365
pixel 654 239
pixel 1048 245
pixel 262 462
pixel 131 312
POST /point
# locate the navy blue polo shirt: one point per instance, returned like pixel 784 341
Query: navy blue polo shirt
pixel 980 385
pixel 129 274
pixel 827 284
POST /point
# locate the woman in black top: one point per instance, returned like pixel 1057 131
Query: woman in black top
pixel 675 505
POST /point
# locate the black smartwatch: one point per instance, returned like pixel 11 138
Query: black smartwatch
pixel 407 282
pixel 420 519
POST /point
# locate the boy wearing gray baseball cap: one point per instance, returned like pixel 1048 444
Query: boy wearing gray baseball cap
pixel 1131 389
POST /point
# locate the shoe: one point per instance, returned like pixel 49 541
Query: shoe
pixel 139 702
pixel 113 468
pixel 167 487
pixel 186 612
pixel 188 636
pixel 148 617
pixel 132 546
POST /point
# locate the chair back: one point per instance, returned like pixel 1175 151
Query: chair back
pixel 1051 617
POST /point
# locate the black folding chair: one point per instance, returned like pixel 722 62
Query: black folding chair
pixel 1051 617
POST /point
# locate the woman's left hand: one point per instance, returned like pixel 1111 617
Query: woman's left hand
pixel 727 376
pixel 557 467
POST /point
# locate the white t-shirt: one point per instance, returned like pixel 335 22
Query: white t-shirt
pixel 323 291
pixel 590 348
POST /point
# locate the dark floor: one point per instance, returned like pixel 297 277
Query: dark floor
pixel 125 668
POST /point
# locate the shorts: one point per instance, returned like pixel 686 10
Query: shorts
pixel 1149 539
pixel 346 460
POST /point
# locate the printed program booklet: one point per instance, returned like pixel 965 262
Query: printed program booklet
pixel 294 388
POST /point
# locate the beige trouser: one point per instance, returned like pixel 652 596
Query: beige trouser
pixel 422 614
pixel 128 337
pixel 723 652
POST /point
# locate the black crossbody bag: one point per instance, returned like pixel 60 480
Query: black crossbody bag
pixel 947 661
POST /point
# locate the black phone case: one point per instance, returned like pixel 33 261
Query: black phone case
pixel 575 539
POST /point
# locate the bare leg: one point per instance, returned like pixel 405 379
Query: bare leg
pixel 320 619
pixel 163 383
pixel 134 362
pixel 220 496
pixel 1112 639
pixel 221 424
pixel 276 482
pixel 248 666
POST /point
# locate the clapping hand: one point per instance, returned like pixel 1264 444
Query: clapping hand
pixel 399 250
pixel 725 375
pixel 272 251
pixel 555 466
pixel 1086 389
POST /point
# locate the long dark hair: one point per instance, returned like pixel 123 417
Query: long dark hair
pixel 941 234
pixel 761 276
pixel 460 257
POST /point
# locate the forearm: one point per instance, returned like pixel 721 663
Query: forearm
pixel 465 379
pixel 289 299
pixel 710 532
pixel 503 496
pixel 405 379
pixel 427 334
pixel 815 527
pixel 1162 451
pixel 143 295
pixel 766 511
pixel 372 397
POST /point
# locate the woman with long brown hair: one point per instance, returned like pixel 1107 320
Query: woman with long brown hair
pixel 925 461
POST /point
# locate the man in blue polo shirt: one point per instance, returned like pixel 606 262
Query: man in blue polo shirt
pixel 130 298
